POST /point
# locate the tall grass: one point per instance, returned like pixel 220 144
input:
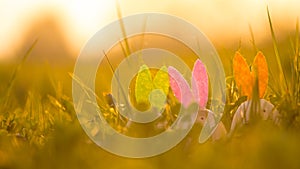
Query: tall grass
pixel 4 100
pixel 34 120
pixel 287 87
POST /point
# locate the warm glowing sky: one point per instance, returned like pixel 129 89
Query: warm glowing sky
pixel 218 19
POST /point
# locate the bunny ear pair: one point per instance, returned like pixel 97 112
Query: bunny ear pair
pixel 245 78
pixel 145 85
pixel 199 85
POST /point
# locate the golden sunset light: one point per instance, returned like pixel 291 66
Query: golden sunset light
pixel 79 20
pixel 149 84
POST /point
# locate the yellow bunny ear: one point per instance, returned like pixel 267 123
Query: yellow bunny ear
pixel 242 74
pixel 161 80
pixel 143 85
pixel 261 71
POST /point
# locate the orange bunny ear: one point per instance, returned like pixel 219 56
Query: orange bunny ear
pixel 261 71
pixel 242 74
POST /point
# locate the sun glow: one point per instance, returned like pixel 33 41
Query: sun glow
pixel 80 19
pixel 87 17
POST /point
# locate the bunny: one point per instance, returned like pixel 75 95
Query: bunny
pixel 186 97
pixel 199 94
pixel 245 81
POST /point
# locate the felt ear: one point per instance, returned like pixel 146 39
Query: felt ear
pixel 161 80
pixel 242 74
pixel 161 83
pixel 200 83
pixel 143 85
pixel 180 87
pixel 261 71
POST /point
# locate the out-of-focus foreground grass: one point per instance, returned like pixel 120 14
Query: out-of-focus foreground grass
pixel 39 128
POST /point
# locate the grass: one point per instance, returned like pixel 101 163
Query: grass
pixel 287 89
pixel 39 128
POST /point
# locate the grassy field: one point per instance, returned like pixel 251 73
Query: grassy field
pixel 39 127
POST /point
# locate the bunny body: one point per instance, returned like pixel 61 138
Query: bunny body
pixel 265 111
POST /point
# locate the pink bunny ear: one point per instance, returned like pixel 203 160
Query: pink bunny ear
pixel 180 87
pixel 200 83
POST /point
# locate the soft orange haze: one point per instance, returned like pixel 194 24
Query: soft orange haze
pixel 222 21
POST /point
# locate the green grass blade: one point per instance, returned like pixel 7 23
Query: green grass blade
pixel 18 68
pixel 127 49
pixel 274 40
pixel 253 39
pixel 14 75
pixel 118 80
pixel 297 63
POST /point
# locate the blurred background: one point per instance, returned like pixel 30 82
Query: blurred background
pixel 63 27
